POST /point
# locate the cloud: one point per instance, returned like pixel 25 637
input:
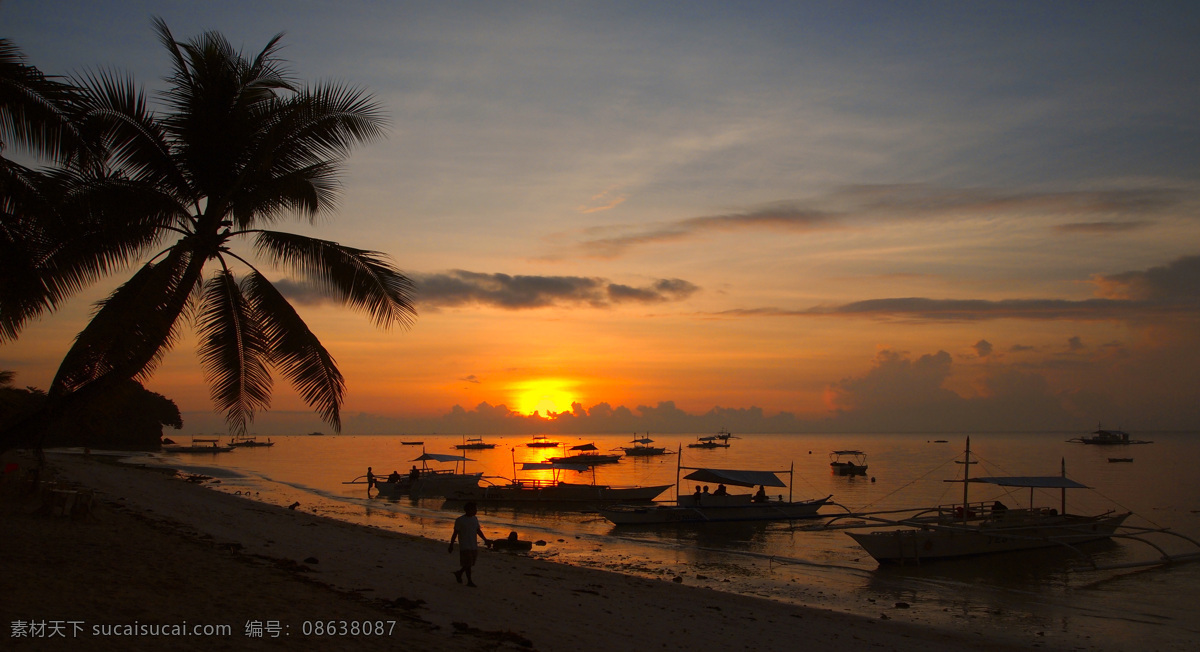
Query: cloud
pixel 779 216
pixel 1158 292
pixel 983 348
pixel 460 287
pixel 1112 211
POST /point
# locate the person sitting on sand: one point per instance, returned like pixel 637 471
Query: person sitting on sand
pixel 761 496
pixel 466 527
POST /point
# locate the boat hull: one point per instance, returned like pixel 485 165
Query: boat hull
pixel 563 492
pixel 950 541
pixel 731 511
pixel 431 485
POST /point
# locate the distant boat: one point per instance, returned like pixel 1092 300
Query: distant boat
pixel 250 442
pixel 719 440
pixel 316 433
pixel 1120 459
pixel 555 490
pixel 200 445
pixel 425 481
pixel 641 448
pixel 1102 437
pixel 541 441
pixel 412 443
pixel 857 465
pixel 474 444
pixel 586 456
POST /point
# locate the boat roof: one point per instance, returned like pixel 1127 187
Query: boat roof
pixel 848 453
pixel 736 477
pixel 1033 481
pixel 442 457
pixel 643 440
pixel 552 466
pixel 584 447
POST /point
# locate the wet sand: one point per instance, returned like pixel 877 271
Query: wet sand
pixel 157 550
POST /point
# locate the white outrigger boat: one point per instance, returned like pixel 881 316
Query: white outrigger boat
pixel 586 455
pixel 712 508
pixel 199 445
pixel 969 529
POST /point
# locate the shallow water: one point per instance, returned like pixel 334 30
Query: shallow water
pixel 1032 594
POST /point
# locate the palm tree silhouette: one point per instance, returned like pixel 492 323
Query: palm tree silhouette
pixel 241 146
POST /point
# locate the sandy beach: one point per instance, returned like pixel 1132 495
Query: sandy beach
pixel 157 550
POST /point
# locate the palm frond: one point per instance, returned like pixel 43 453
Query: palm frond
pixel 233 351
pixel 364 280
pixel 134 327
pixel 296 351
pixel 36 112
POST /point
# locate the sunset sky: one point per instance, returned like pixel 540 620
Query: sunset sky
pixel 769 216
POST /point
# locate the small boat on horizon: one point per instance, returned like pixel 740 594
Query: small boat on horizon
pixel 474 444
pixel 719 440
pixel 1102 437
pixel 199 445
pixel 542 441
pixel 250 442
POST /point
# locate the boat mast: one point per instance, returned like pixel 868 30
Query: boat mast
pixel 1063 511
pixel 966 479
pixel 678 463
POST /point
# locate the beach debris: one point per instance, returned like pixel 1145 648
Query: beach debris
pixel 312 560
pixel 678 579
pixel 902 605
pixel 294 505
pixel 539 542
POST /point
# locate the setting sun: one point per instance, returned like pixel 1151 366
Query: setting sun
pixel 545 396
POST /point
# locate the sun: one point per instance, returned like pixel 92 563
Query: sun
pixel 545 396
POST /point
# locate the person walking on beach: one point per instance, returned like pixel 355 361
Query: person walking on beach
pixel 465 529
pixel 370 479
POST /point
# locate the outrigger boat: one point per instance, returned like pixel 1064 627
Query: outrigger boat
pixel 555 490
pixel 200 445
pixel 587 456
pixel 641 448
pixel 719 440
pixel 978 528
pixel 713 508
pixel 1104 437
pixel 541 441
pixel 250 442
pixel 857 465
pixel 474 444
pixel 424 481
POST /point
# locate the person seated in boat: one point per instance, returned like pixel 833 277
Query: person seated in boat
pixel 394 477
pixel 761 495
pixel 998 508
pixel 414 473
pixel 721 491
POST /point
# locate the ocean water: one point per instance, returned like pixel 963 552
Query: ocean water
pixel 1034 594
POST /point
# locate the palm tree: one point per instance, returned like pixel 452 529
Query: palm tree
pixel 240 147
pixel 43 258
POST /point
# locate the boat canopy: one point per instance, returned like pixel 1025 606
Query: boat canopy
pixel 442 457
pixel 848 453
pixel 1033 482
pixel 552 466
pixel 643 440
pixel 584 447
pixel 736 478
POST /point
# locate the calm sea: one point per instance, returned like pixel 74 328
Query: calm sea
pixel 1032 593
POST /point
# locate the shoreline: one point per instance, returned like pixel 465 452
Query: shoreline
pixel 522 603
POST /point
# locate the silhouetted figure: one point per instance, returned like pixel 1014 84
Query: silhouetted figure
pixel 721 491
pixel 370 479
pixel 466 527
pixel 394 477
pixel 761 496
